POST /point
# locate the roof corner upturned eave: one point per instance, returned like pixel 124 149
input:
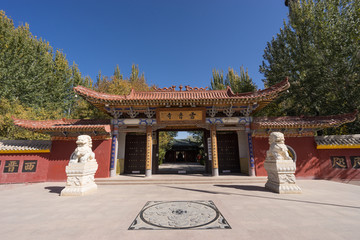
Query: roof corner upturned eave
pixel 65 125
pixel 310 122
pixel 210 97
pixel 93 96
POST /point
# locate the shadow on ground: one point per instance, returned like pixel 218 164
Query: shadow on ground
pixel 244 187
pixel 279 198
pixel 54 189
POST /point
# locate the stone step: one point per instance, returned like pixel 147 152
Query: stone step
pixel 126 180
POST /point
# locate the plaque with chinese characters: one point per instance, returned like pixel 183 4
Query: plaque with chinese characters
pixel 11 166
pixel 338 162
pixel 181 115
pixel 29 166
pixel 355 161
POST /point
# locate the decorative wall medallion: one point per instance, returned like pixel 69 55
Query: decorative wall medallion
pixel 157 215
pixel 292 153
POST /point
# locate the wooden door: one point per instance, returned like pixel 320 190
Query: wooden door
pixel 228 152
pixel 135 154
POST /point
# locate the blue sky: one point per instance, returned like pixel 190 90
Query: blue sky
pixel 173 42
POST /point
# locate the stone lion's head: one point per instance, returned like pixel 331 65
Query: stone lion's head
pixel 276 137
pixel 84 140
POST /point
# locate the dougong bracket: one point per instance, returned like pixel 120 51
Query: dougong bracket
pixel 132 113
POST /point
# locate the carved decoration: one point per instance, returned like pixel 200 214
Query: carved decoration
pixel 81 169
pixel 158 215
pixel 229 111
pixel 250 108
pixel 115 113
pixel 149 113
pixel 83 152
pixel 280 167
pixel 165 89
pixel 212 111
pixel 132 113
pixel 278 149
pixel 187 88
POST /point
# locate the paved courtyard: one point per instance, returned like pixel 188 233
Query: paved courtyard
pixel 186 167
pixel 325 210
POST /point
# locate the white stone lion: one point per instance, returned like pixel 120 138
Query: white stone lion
pixel 83 153
pixel 278 149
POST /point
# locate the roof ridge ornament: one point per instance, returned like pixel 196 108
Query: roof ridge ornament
pixel 187 88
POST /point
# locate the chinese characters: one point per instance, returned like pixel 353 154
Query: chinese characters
pixel 338 162
pixel 182 115
pixel 29 166
pixel 11 166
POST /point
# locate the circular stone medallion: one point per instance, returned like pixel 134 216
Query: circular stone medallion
pixel 179 215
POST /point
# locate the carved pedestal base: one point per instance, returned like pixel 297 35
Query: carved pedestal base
pixel 80 179
pixel 281 176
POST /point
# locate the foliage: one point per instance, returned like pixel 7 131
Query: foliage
pixel 319 50
pixel 166 138
pixel 38 82
pixel 196 136
pixel 9 109
pixel 115 84
pixel 238 83
pixel 30 70
pixel 217 80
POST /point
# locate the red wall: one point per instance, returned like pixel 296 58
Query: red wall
pixel 20 177
pixel 311 162
pixel 327 172
pixel 62 150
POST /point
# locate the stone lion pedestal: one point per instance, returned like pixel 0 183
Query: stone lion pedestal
pixel 280 167
pixel 81 169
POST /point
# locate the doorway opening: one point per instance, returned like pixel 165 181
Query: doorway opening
pixel 181 152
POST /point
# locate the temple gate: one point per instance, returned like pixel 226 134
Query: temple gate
pixel 226 118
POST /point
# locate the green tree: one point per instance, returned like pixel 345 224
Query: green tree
pixel 13 108
pixel 117 73
pixel 33 76
pixel 217 80
pixel 196 136
pixel 137 81
pixel 119 85
pixel 115 84
pixel 319 50
pixel 165 140
pixel 238 83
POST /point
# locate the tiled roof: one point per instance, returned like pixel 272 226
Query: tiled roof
pixel 68 125
pixel 24 145
pixel 303 122
pixel 196 94
pixel 338 140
